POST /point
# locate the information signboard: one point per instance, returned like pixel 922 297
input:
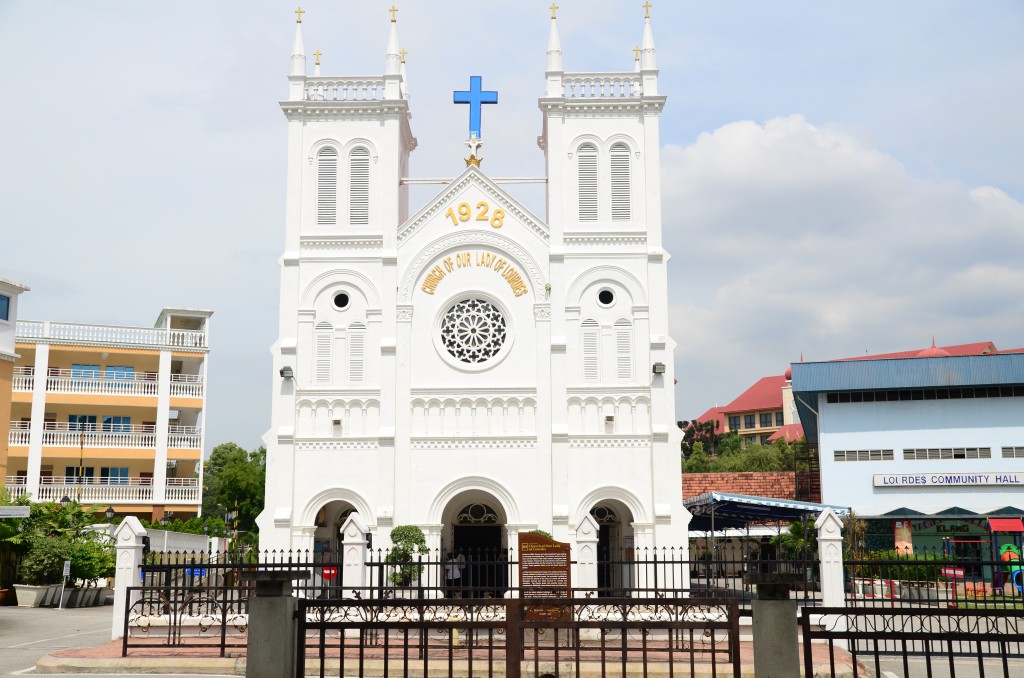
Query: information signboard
pixel 545 571
pixel 15 511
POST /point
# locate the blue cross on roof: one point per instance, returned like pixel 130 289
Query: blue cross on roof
pixel 475 97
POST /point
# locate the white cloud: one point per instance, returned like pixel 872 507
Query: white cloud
pixel 790 237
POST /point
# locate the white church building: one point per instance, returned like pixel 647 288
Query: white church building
pixel 465 365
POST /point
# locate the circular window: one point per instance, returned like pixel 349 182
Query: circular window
pixel 341 301
pixel 606 297
pixel 473 331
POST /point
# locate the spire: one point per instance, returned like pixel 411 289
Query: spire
pixel 393 58
pixel 554 44
pixel 298 51
pixel 647 61
pixel 554 71
pixel 404 88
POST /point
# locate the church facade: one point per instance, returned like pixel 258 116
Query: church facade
pixel 465 365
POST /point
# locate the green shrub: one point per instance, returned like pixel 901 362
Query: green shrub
pixel 895 564
pixel 407 542
pixel 44 563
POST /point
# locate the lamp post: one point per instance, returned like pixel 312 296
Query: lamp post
pixel 109 513
pixel 65 500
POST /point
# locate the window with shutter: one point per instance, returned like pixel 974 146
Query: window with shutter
pixel 620 182
pixel 359 187
pixel 356 342
pixel 623 350
pixel 586 165
pixel 327 187
pixel 323 338
pixel 591 342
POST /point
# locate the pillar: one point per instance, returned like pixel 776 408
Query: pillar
pixel 830 557
pixel 353 555
pixel 128 546
pixel 273 640
pixel 586 554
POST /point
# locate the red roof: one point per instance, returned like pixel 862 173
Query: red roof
pixel 715 413
pixel 766 394
pixel 1005 525
pixel 977 348
pixel 790 432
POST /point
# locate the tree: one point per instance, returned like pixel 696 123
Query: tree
pixel 234 480
pixel 704 432
pixel 407 541
pixel 698 462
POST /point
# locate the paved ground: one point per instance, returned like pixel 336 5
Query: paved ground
pixel 28 633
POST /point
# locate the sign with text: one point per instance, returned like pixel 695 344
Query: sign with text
pixel 544 572
pixel 1006 479
pixel 15 511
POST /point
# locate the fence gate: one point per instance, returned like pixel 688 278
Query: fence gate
pixel 514 637
pixel 908 640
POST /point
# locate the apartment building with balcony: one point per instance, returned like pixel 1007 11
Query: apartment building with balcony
pixel 111 415
pixel 9 292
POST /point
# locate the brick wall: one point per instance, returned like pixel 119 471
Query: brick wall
pixel 778 485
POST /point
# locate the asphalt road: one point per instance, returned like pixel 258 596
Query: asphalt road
pixel 28 633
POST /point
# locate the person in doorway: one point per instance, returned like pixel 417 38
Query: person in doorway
pixel 452 575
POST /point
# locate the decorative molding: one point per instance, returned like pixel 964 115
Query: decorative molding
pixel 404 314
pixel 331 444
pixel 475 238
pixel 321 244
pixel 474 443
pixel 473 176
pixel 580 442
pixel 445 392
pixel 608 390
pixel 336 393
pixel 542 312
pixel 614 239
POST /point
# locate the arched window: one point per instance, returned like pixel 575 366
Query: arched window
pixel 323 339
pixel 356 357
pixel 327 186
pixel 359 187
pixel 620 182
pixel 591 353
pixel 623 350
pixel 586 167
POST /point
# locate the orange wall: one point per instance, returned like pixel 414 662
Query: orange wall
pixel 6 373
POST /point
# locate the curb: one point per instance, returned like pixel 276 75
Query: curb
pixel 142 665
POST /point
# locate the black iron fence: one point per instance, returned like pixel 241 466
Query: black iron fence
pixel 514 637
pixel 933 578
pixel 912 641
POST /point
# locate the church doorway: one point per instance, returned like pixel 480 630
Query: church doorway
pixel 615 555
pixel 327 538
pixel 476 551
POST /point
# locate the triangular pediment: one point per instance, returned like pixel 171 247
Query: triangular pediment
pixel 473 182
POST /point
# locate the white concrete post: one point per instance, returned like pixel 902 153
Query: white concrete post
pixel 586 553
pixel 353 555
pixel 128 543
pixel 830 556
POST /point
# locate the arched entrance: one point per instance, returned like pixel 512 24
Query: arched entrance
pixel 327 537
pixel 615 554
pixel 474 537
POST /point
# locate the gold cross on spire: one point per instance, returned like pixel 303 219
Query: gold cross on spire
pixel 393 10
pixel 318 54
pixel 636 54
pixel 647 8
pixel 298 14
pixel 403 53
pixel 553 8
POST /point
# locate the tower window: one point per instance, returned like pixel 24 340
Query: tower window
pixel 623 349
pixel 327 187
pixel 591 341
pixel 356 342
pixel 323 338
pixel 359 187
pixel 620 182
pixel 586 159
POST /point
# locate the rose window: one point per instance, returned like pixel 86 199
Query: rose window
pixel 473 331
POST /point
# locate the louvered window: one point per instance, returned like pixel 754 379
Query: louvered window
pixel 356 344
pixel 323 338
pixel 591 354
pixel 327 187
pixel 623 350
pixel 359 187
pixel 586 159
pixel 620 183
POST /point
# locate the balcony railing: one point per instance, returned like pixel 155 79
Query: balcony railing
pixel 108 491
pixel 142 384
pixel 135 436
pixel 345 89
pixel 110 335
pixel 601 85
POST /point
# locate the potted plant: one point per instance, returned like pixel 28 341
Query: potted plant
pixel 42 570
pixel 407 542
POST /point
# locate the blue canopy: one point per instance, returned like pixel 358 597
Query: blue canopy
pixel 720 510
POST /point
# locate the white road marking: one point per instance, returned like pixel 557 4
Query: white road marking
pixel 45 640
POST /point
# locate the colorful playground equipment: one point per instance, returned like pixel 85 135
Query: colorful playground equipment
pixel 1014 566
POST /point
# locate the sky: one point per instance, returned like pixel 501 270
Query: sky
pixel 838 178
